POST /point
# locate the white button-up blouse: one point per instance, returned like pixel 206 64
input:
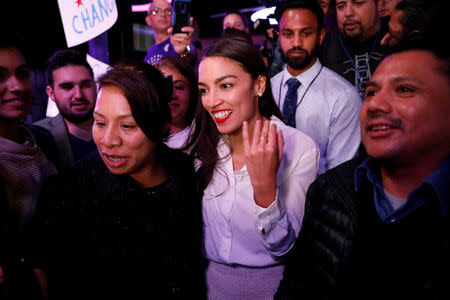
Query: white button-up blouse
pixel 237 231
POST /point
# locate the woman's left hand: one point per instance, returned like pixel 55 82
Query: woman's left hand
pixel 262 156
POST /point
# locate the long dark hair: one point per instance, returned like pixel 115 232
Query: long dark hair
pixel 206 136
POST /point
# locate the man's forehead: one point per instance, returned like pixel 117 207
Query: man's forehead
pixel 403 66
pixel 299 14
pixel 352 1
pixel 160 4
pixel 71 71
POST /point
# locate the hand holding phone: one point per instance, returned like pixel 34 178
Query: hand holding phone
pixel 181 15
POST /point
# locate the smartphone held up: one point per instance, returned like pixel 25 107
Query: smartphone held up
pixel 181 14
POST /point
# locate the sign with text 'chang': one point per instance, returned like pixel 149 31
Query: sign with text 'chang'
pixel 85 19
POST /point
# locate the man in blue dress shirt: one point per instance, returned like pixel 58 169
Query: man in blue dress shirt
pixel 327 106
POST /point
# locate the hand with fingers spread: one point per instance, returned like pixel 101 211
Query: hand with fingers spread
pixel 262 156
pixel 181 41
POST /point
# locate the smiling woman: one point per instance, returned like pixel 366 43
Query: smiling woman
pixel 129 218
pixel 24 163
pixel 253 171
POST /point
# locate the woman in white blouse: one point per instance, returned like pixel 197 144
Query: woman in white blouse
pixel 253 170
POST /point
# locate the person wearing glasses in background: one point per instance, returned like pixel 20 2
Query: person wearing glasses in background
pixel 167 44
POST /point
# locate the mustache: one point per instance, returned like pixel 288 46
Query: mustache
pixel 351 21
pixel 394 122
pixel 295 49
pixel 83 100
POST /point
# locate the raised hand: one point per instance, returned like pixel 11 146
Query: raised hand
pixel 262 156
pixel 180 41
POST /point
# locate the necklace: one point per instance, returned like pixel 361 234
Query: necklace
pixel 361 87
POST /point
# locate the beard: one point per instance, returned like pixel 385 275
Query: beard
pixel 354 34
pixel 397 42
pixel 299 62
pixel 76 117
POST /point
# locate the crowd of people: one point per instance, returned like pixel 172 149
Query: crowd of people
pixel 319 170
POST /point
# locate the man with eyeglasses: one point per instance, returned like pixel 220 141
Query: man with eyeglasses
pixel 167 44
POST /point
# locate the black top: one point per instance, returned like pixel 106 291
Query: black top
pixel 335 55
pixel 101 235
pixel 345 251
pixel 45 142
pixel 81 149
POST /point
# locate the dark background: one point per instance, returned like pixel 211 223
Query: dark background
pixel 39 25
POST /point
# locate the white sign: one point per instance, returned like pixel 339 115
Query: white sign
pixel 98 67
pixel 83 20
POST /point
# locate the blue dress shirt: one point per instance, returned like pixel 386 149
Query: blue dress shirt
pixel 328 111
pixel 435 185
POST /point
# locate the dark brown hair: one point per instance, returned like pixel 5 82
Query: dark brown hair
pixel 206 136
pixel 188 71
pixel 312 5
pixel 66 57
pixel 147 92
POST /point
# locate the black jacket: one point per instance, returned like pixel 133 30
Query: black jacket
pixel 333 55
pixel 344 250
pixel 98 235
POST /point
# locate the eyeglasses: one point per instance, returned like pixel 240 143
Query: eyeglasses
pixel 157 10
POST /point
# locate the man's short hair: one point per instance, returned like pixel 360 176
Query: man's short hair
pixel 312 5
pixel 62 58
pixel 414 17
pixel 441 52
pixel 433 19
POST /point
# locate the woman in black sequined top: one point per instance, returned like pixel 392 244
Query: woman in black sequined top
pixel 126 223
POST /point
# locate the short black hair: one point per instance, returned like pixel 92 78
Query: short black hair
pixel 423 23
pixel 62 58
pixel 414 15
pixel 312 5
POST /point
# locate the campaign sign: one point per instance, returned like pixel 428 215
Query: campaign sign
pixel 85 19
pixel 98 67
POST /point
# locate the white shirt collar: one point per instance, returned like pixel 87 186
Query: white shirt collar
pixel 306 77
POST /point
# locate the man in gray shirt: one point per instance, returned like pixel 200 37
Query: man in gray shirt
pixel 72 87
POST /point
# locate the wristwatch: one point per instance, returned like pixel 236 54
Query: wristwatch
pixel 186 51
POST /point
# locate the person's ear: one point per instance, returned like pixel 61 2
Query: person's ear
pixel 50 92
pixel 321 35
pixel 415 35
pixel 260 85
pixel 148 20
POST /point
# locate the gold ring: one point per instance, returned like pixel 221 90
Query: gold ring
pixel 263 138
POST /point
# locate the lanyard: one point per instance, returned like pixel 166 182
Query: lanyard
pixel 366 67
pixel 281 85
